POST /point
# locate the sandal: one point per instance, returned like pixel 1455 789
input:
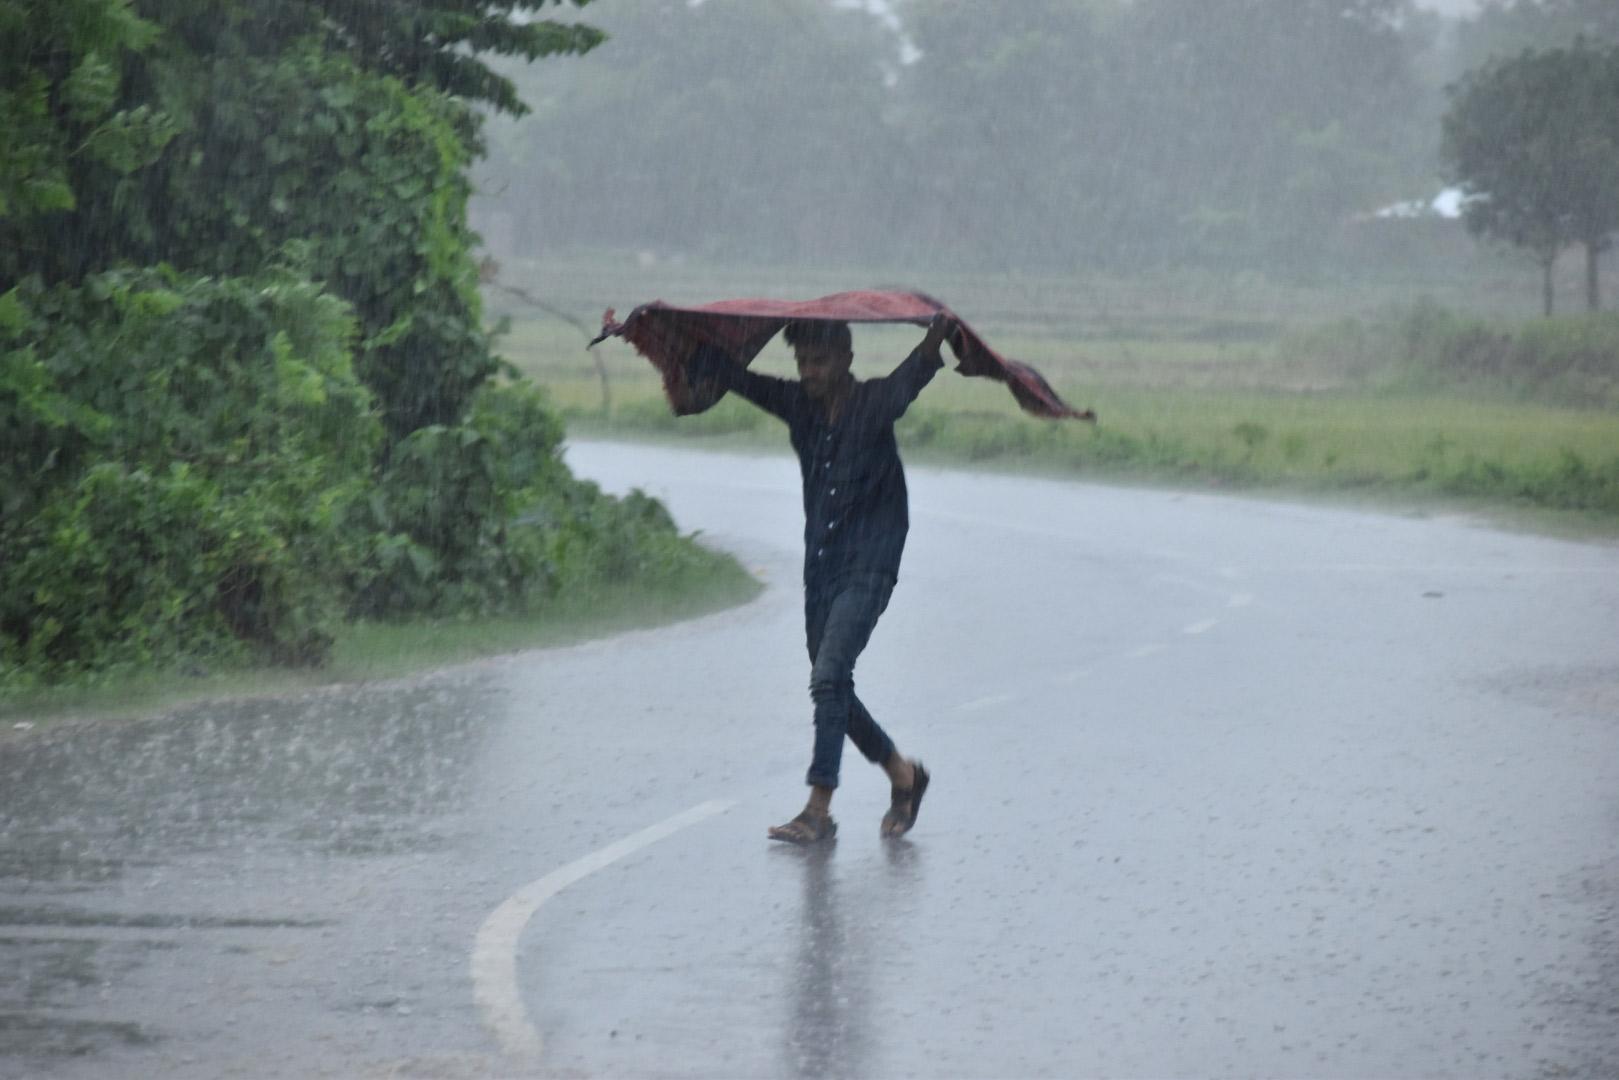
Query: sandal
pixel 806 828
pixel 905 803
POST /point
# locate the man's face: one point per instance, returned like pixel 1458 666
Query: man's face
pixel 822 368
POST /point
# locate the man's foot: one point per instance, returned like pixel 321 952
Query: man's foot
pixel 807 828
pixel 905 803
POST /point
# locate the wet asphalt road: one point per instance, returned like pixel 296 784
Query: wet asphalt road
pixel 1222 788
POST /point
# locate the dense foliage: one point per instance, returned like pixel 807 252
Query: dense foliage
pixel 178 456
pixel 59 102
pixel 246 387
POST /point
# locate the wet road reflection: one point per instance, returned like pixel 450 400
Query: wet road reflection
pixel 832 1029
pixel 827 1033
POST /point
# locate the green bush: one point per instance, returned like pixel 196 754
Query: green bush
pixel 141 569
pixel 179 455
pixel 187 475
pixel 484 518
pixel 591 540
pixel 439 526
pixel 1566 482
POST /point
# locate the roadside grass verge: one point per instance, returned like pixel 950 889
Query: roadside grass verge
pixel 366 651
pixel 1517 457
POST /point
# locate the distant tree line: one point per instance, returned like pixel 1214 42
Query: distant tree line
pixel 1046 133
pixel 1040 134
pixel 245 386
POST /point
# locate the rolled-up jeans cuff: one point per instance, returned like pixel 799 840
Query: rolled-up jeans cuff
pixel 814 779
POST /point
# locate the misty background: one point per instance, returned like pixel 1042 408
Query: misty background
pixel 1045 135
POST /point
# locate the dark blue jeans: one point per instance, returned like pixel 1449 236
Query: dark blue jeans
pixel 838 620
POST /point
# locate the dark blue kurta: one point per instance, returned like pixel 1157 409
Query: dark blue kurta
pixel 855 503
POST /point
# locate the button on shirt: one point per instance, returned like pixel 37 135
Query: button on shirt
pixel 855 501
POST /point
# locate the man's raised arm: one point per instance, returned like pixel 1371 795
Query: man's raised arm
pixel 906 381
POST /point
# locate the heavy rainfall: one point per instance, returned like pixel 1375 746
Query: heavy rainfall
pixel 1178 438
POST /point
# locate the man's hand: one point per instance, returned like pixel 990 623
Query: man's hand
pixel 940 330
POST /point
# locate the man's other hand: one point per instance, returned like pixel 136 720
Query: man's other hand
pixel 941 329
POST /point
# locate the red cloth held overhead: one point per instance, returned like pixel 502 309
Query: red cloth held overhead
pixel 668 335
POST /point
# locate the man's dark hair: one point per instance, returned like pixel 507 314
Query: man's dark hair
pixel 819 334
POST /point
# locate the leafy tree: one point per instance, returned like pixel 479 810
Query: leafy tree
pixel 1534 140
pixel 293 412
pixel 325 137
pixel 59 100
pixel 441 43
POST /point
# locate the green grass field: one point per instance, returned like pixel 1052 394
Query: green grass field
pixel 1231 381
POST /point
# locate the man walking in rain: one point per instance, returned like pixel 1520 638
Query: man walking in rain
pixel 855 521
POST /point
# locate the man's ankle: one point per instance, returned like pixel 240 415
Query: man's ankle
pixel 820 801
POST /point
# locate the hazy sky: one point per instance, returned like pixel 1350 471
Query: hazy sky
pixel 1449 7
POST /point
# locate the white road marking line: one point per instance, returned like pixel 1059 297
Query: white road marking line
pixel 494 950
pixel 1240 599
pixel 985 702
pixel 1200 627
pixel 1071 676
pixel 1145 650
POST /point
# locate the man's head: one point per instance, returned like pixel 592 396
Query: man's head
pixel 824 351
